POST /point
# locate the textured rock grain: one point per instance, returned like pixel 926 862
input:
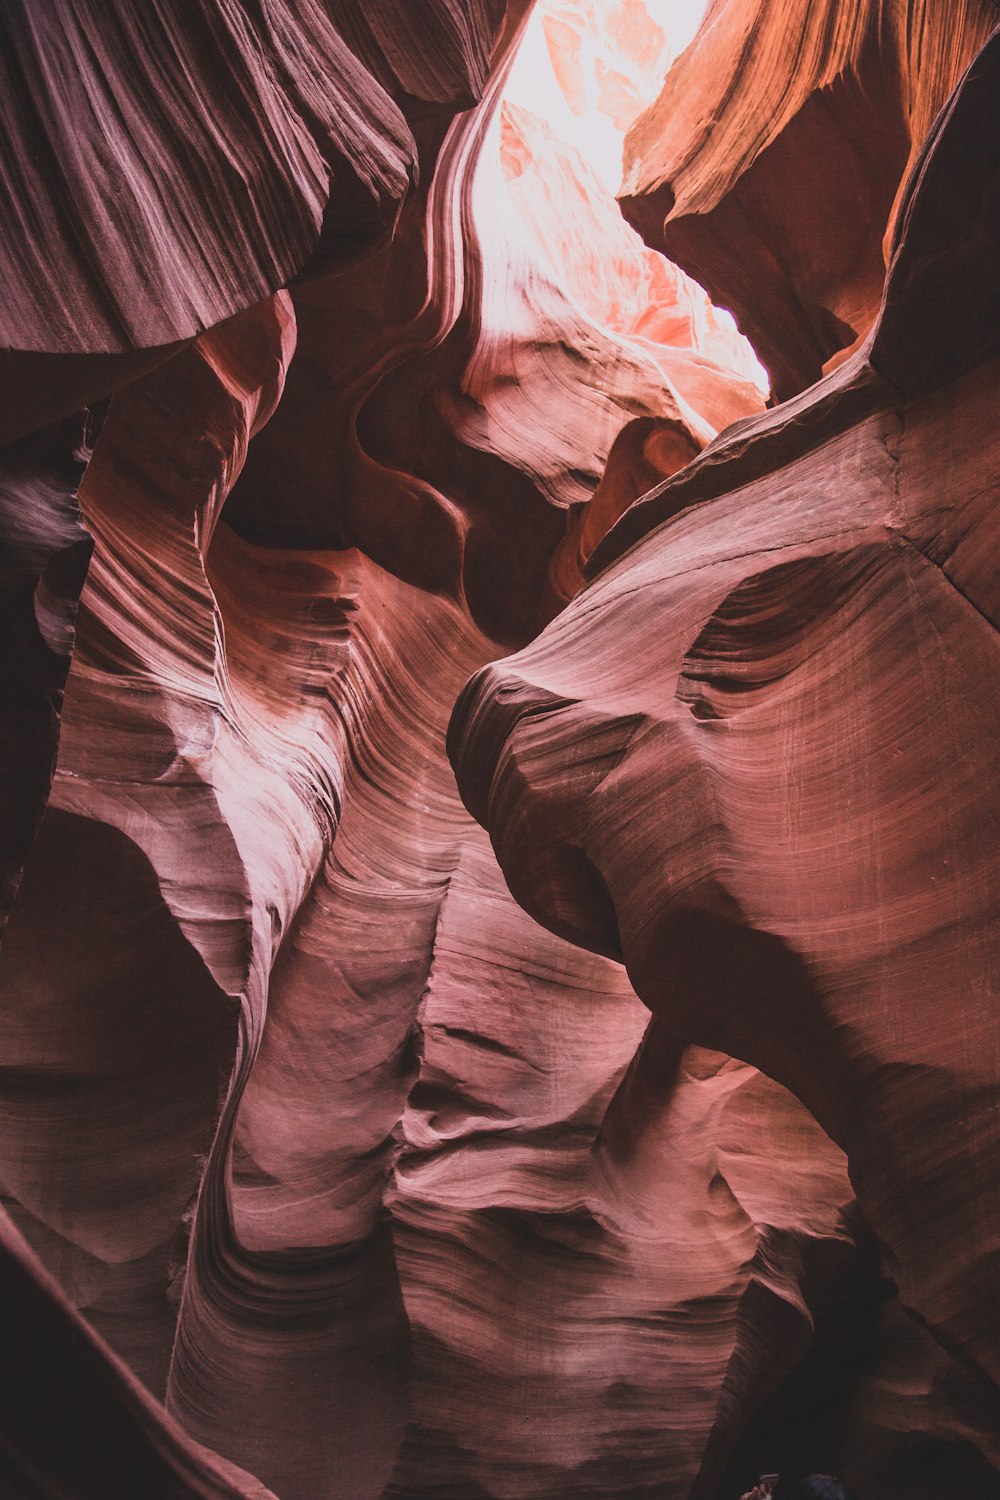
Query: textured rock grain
pixel 779 802
pixel 320 1157
pixel 771 164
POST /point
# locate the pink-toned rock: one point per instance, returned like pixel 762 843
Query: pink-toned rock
pixel 756 758
pixel 456 394
pixel 42 569
pixel 380 1187
pixel 76 1421
pixel 165 169
pixel 169 168
pixel 770 165
pixel 254 777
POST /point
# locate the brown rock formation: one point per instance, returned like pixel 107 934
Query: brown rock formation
pixel 771 163
pixel 458 391
pixel 770 785
pixel 75 1419
pixel 167 165
pixel 174 163
pixel 319 1156
pixel 254 789
pixel 43 566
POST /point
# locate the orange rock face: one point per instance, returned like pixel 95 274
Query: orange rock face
pixel 760 786
pixel 770 165
pixel 641 1139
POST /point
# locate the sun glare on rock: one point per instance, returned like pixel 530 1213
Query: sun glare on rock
pixel 584 72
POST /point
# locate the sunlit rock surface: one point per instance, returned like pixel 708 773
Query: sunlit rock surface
pixel 456 394
pixel 770 165
pixel 327 1170
pixel 756 758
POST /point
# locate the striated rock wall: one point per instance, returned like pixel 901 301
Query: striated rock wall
pixel 776 794
pixel 327 1170
pixel 723 172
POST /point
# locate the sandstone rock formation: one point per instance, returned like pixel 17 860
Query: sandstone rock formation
pixel 770 785
pixel 44 565
pixel 327 1170
pixel 723 171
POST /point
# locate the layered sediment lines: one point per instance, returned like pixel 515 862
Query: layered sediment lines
pixel 45 555
pixel 297 916
pixel 254 810
pixel 175 164
pixel 755 758
pixel 721 171
pixel 340 1157
pixel 456 394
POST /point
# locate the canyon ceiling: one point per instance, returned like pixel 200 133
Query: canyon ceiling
pixel 499 788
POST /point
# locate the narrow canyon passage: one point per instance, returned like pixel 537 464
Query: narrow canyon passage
pixel 499 797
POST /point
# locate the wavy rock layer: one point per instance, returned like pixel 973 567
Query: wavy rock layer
pixel 82 1423
pixel 342 1169
pixel 292 863
pixel 43 566
pixel 168 165
pixel 456 395
pixel 755 758
pixel 143 212
pixel 721 172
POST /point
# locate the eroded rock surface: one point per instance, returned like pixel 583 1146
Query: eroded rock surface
pixel 44 563
pixel 327 1171
pixel 722 172
pixel 770 784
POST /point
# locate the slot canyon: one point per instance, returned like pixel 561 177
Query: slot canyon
pixel 499 771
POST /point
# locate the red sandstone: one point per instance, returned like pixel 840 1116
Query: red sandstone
pixel 644 1137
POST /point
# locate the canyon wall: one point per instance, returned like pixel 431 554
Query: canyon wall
pixel 642 1138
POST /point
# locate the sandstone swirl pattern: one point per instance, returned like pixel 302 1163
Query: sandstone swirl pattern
pixel 330 373
pixel 773 805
